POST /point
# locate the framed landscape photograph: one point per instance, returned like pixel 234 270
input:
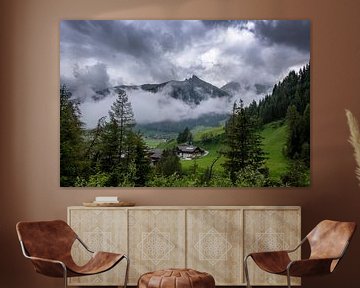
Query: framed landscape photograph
pixel 184 103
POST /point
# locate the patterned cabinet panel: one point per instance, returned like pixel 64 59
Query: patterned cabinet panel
pixel 214 244
pixel 271 229
pixel 156 240
pixel 210 239
pixel 101 230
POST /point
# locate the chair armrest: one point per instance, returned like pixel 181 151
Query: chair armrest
pixel 84 245
pixel 48 267
pixel 309 267
pixel 45 260
pixel 280 251
pixel 298 246
pixel 271 261
pixel 268 253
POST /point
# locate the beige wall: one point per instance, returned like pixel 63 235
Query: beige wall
pixel 29 126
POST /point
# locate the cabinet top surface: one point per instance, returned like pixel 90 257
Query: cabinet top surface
pixel 192 207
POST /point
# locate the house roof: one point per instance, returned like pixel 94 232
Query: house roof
pixel 156 153
pixel 188 148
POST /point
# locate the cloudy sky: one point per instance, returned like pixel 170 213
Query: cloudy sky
pixel 98 54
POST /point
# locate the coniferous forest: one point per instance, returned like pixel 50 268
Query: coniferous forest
pixel 263 144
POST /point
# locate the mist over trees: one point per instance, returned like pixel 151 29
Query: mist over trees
pixel 115 154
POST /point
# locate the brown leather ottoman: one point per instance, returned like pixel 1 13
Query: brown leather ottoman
pixel 176 278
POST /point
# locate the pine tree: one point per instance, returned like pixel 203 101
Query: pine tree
pixel 305 153
pixel 109 156
pixel 295 134
pixel 298 140
pixel 72 162
pixel 93 148
pixel 137 155
pixel 114 146
pixel 169 164
pixel 243 143
pixel 294 89
pixel 185 137
pixel 122 116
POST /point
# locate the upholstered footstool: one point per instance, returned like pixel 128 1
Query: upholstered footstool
pixel 176 278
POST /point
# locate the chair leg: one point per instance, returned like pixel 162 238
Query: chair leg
pixel 288 278
pixel 65 275
pixel 127 271
pixel 246 270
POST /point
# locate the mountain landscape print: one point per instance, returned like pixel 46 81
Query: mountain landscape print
pixel 184 103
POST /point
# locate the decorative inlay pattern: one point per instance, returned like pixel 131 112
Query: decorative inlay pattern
pixel 214 241
pixel 99 240
pixel 211 239
pixel 101 230
pixel 156 246
pixel 213 246
pixel 270 230
pixel 269 241
pixel 157 241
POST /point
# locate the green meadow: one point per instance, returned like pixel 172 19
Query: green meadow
pixel 210 139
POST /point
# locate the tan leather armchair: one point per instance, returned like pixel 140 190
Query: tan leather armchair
pixel 48 245
pixel 328 242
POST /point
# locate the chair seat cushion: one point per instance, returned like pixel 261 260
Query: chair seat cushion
pixel 99 262
pixel 272 262
pixel 176 278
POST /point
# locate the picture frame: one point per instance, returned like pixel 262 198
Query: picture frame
pixel 185 103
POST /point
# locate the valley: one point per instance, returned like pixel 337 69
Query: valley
pixel 190 133
pixel 211 139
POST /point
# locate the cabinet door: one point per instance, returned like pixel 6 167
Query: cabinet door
pixel 270 230
pixel 214 244
pixel 101 230
pixel 156 240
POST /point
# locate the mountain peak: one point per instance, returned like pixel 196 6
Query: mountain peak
pixel 192 91
pixel 194 77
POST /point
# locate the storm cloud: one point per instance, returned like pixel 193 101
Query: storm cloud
pixel 99 54
pixel 287 32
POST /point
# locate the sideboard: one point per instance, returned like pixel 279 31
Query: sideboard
pixel 212 239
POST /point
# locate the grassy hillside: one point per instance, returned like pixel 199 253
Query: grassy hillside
pixel 212 145
pixel 168 144
pixel 153 143
pixel 274 139
pixel 200 132
pixel 206 161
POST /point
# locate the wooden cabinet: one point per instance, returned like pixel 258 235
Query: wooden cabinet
pixel 211 239
pixel 156 240
pixel 270 229
pixel 101 230
pixel 214 243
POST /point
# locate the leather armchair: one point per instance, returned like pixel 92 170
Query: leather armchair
pixel 48 245
pixel 328 242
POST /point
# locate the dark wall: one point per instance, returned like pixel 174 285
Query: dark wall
pixel 29 126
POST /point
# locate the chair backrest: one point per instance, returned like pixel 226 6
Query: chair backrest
pixel 329 239
pixel 46 239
